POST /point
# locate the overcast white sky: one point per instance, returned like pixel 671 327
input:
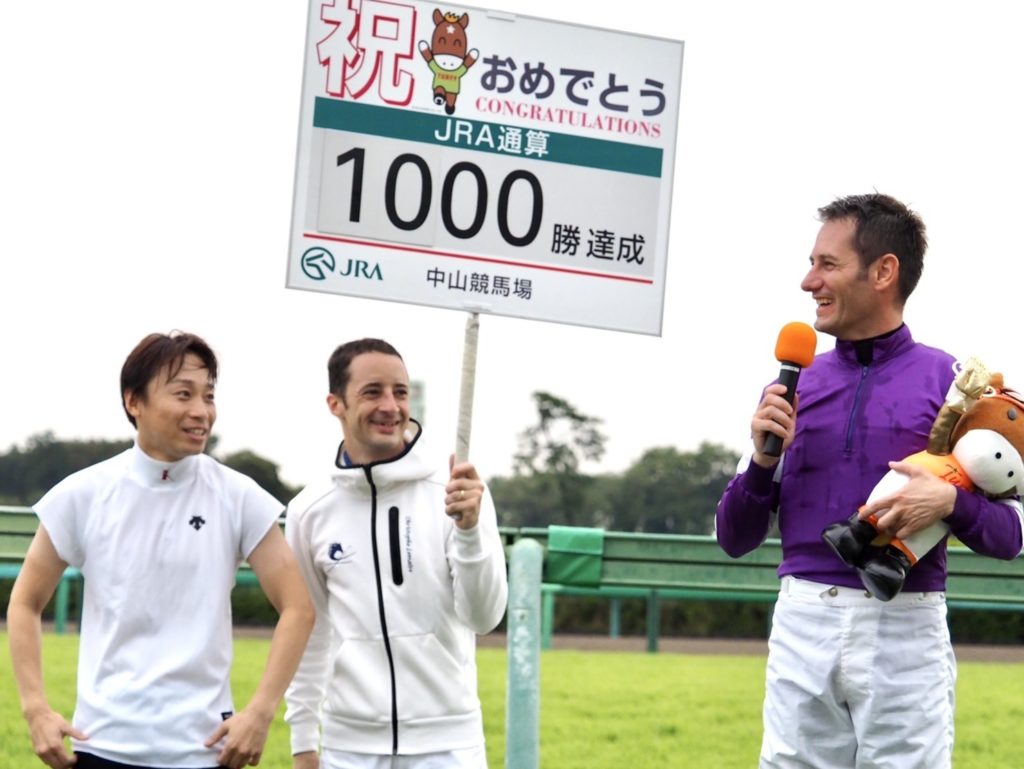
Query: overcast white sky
pixel 148 155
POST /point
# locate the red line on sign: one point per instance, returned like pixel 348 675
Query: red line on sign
pixel 450 255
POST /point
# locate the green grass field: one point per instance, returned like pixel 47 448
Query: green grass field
pixel 602 710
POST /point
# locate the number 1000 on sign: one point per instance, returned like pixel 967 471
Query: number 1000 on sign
pixel 420 194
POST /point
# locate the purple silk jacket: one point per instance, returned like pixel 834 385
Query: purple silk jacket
pixel 852 421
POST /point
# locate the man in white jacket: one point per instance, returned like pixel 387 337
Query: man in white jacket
pixel 405 565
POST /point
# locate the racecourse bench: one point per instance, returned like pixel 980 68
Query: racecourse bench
pixel 17 527
pixel 622 565
pixel 656 567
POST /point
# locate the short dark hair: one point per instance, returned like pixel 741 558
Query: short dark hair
pixel 884 225
pixel 157 352
pixel 341 360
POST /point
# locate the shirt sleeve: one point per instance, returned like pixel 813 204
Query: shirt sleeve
pixel 260 511
pixel 476 558
pixel 991 527
pixel 60 513
pixel 745 512
pixel 306 691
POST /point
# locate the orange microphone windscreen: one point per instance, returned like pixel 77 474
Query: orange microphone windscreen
pixel 797 342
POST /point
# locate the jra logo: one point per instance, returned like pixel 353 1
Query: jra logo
pixel 357 268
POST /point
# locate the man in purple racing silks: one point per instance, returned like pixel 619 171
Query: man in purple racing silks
pixel 853 681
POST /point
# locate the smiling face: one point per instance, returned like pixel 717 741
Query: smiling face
pixel 448 43
pixel 374 409
pixel 853 302
pixel 175 415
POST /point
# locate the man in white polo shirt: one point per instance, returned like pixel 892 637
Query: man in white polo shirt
pixel 158 532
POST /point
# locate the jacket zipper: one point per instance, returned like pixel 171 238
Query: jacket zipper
pixel 856 405
pixel 380 606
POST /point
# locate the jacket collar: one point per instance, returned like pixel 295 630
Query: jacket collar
pixel 881 348
pixel 407 465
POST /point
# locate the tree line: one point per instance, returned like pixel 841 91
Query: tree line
pixel 665 491
pixel 26 473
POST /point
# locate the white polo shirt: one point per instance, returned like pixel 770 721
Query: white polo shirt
pixel 158 544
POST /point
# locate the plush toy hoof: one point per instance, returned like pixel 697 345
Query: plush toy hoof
pixel 884 575
pixel 439 99
pixel 449 109
pixel 849 539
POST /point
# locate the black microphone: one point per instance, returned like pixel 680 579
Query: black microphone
pixel 795 351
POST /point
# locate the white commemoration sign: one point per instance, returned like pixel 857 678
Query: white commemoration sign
pixel 462 158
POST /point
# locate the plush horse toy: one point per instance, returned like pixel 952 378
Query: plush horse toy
pixel 977 441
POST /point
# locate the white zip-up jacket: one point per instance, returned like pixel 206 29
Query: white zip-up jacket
pixel 400 594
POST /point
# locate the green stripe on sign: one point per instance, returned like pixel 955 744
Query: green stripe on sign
pixel 477 135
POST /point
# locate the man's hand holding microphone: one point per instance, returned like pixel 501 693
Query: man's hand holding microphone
pixel 774 422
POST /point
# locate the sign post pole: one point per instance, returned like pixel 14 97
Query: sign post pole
pixel 465 422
